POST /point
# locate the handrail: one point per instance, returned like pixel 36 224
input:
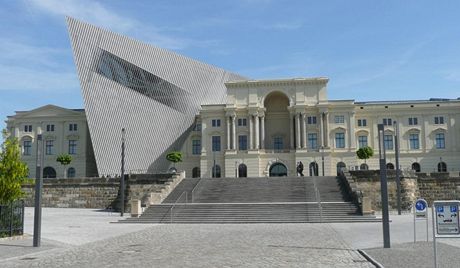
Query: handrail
pixel 318 200
pixel 195 187
pixel 175 203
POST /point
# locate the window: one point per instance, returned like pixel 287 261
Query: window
pixel 49 144
pixel 216 143
pixel 197 127
pixel 196 147
pixel 390 166
pixel 439 120
pixel 278 143
pixel 388 142
pixel 27 148
pixel 28 128
pixel 339 119
pixel 312 141
pixel 414 143
pixel 71 172
pixel 416 167
pixel 242 122
pixel 242 143
pixel 387 122
pixel 49 128
pixel 442 167
pixel 364 166
pixel 362 122
pixel 340 140
pixel 440 141
pixel 311 120
pixel 72 147
pixel 72 127
pixel 362 141
pixel 215 122
pixel 413 121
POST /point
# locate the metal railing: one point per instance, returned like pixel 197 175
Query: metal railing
pixel 194 188
pixel 175 203
pixel 318 200
pixel 12 219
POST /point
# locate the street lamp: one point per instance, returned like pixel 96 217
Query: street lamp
pixel 38 193
pixel 398 180
pixel 383 188
pixel 322 159
pixel 122 179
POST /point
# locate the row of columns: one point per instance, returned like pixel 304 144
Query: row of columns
pixel 298 130
pixel 256 132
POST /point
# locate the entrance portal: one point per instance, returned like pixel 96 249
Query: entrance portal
pixel 278 170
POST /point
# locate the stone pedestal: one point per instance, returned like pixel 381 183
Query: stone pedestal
pixel 367 206
pixel 136 209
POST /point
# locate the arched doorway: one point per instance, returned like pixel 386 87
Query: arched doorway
pixel 196 172
pixel 313 169
pixel 71 172
pixel 278 170
pixel 364 166
pixel 216 171
pixel 390 166
pixel 416 167
pixel 242 171
pixel 340 167
pixel 49 172
pixel 442 167
pixel 276 133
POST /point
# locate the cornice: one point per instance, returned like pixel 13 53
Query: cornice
pixel 277 82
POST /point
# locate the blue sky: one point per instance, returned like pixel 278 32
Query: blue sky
pixel 370 50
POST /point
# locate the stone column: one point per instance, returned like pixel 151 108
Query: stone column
pixel 297 124
pixel 228 132
pixel 351 123
pixel 321 129
pixel 256 118
pixel 304 132
pixel 234 132
pixel 291 126
pixel 262 129
pixel 250 132
pixel 326 130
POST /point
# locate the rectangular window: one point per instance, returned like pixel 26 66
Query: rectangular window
pixel 312 141
pixel 339 119
pixel 49 144
pixel 339 140
pixel 28 128
pixel 242 143
pixel 440 141
pixel 216 143
pixel 439 120
pixel 362 141
pixel 413 121
pixel 27 148
pixel 387 122
pixel 197 127
pixel 311 120
pixel 388 142
pixel 362 122
pixel 72 127
pixel 414 142
pixel 242 122
pixel 278 143
pixel 72 147
pixel 196 147
pixel 49 128
pixel 215 122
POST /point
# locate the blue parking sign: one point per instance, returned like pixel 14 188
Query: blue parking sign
pixel 453 208
pixel 440 209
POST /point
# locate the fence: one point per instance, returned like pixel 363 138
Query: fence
pixel 12 219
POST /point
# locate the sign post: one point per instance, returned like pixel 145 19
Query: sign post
pixel 420 213
pixel 446 222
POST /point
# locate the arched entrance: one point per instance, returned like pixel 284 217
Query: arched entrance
pixel 416 167
pixel 442 167
pixel 242 171
pixel 390 166
pixel 340 167
pixel 216 171
pixel 276 133
pixel 196 172
pixel 313 169
pixel 364 166
pixel 278 170
pixel 49 172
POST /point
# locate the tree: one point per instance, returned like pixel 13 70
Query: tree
pixel 175 157
pixel 13 171
pixel 65 160
pixel 365 153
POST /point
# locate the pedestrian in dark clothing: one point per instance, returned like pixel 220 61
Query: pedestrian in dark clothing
pixel 300 168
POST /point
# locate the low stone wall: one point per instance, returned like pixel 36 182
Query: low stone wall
pixel 432 189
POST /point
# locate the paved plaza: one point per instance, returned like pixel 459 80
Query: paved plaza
pixel 87 238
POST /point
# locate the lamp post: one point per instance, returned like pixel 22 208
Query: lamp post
pixel 383 188
pixel 38 193
pixel 322 159
pixel 398 180
pixel 122 179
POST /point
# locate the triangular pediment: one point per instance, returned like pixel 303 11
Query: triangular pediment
pixel 48 111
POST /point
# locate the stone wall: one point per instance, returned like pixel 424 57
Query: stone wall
pixel 432 189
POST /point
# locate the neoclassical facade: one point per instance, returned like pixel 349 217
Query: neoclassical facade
pixel 267 126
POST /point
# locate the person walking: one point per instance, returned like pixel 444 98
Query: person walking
pixel 300 168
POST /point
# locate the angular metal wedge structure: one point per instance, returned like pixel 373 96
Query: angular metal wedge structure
pixel 151 92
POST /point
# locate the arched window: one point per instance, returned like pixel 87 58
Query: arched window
pixel 196 172
pixel 416 167
pixel 71 172
pixel 340 167
pixel 442 167
pixel 216 171
pixel 390 166
pixel 364 167
pixel 242 171
pixel 313 169
pixel 49 172
pixel 278 170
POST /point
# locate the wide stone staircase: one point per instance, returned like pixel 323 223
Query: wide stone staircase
pixel 255 200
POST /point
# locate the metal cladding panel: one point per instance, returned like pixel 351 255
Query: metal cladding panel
pixel 151 92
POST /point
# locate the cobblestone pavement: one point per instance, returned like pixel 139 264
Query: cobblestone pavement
pixel 239 245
